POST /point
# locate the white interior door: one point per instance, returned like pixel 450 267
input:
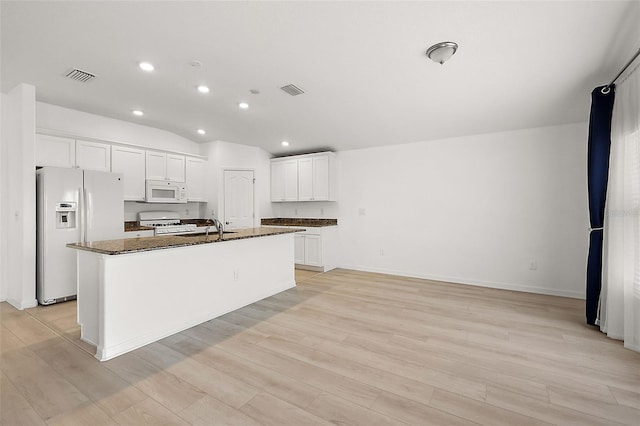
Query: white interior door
pixel 238 199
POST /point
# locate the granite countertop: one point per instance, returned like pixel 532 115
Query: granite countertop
pixel 136 245
pixel 305 222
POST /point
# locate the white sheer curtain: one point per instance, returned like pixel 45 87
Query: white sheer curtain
pixel 620 296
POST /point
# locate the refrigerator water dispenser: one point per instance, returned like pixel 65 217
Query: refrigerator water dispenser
pixel 66 215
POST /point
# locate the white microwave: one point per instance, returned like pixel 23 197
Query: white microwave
pixel 164 191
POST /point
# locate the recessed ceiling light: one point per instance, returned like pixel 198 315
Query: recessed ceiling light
pixel 203 89
pixel 201 132
pixel 243 105
pixel 285 143
pixel 146 66
pixel 137 112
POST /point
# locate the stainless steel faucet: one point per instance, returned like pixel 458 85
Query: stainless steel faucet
pixel 218 226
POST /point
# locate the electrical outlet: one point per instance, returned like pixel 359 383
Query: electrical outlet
pixel 236 274
pixel 533 265
pixel 362 212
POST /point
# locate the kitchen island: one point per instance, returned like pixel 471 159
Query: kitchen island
pixel 132 292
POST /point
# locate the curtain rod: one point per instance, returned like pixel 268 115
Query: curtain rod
pixel 605 89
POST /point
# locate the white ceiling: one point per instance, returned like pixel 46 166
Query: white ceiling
pixel 362 65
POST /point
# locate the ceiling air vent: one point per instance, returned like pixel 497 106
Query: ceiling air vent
pixel 79 75
pixel 292 89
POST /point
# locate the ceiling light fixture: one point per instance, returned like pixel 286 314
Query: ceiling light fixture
pixel 201 132
pixel 442 52
pixel 137 112
pixel 243 105
pixel 203 89
pixel 146 66
pixel 285 143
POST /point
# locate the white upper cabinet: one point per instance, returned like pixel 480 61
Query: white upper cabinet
pixel 323 171
pixel 313 176
pixel 131 163
pixel 195 179
pixel 55 151
pixel 176 167
pixel 93 156
pixel 165 166
pixel 284 180
pixel 305 179
pixel 156 165
pixel 67 152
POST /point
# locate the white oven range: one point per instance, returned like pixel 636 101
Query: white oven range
pixel 166 223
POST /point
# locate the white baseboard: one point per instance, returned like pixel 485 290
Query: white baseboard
pixel 477 283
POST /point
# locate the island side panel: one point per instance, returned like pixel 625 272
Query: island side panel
pixel 89 267
pixel 150 295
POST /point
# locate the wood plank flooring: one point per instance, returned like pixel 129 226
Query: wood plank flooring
pixel 344 347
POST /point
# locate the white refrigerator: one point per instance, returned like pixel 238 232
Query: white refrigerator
pixel 73 205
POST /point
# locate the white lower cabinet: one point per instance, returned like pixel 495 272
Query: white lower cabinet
pixel 311 248
pixel 308 250
pixel 316 248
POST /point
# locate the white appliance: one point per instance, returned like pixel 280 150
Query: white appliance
pixel 166 223
pixel 73 205
pixel 164 191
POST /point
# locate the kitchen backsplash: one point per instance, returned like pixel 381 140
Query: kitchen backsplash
pixel 314 209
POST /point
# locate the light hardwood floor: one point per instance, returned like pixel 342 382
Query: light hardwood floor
pixel 344 347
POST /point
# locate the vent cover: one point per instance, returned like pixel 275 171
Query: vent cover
pixel 79 75
pixel 292 89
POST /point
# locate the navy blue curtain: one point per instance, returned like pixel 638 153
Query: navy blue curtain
pixel 597 176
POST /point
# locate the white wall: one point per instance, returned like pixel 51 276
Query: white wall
pixel 226 155
pixel 79 123
pixel 475 210
pixel 18 193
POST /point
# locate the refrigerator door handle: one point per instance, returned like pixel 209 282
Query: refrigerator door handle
pixel 87 212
